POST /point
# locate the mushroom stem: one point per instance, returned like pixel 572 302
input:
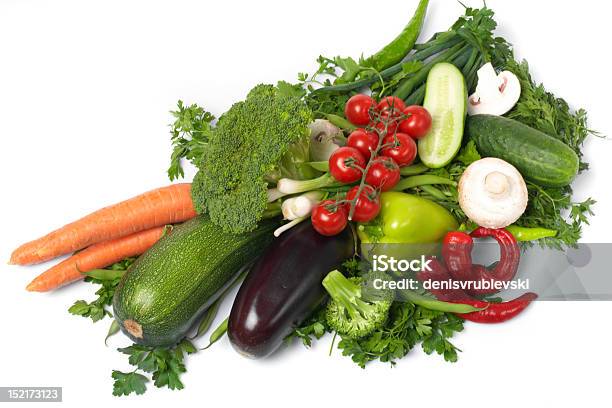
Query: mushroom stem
pixel 497 183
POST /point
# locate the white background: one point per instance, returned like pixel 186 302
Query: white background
pixel 85 90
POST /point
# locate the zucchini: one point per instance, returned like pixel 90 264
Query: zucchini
pixel 539 157
pixel 168 288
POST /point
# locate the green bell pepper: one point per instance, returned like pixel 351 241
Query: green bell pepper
pixel 407 219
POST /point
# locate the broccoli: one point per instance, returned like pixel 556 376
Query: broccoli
pixel 256 142
pixel 349 312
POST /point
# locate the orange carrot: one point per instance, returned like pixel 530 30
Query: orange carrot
pixel 95 257
pixel 166 205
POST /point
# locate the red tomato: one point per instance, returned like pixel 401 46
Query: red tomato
pixel 346 164
pixel 367 205
pixel 401 148
pixel 357 109
pixel 383 174
pixel 329 218
pixel 391 105
pixel 418 122
pixel 364 141
pixel 391 126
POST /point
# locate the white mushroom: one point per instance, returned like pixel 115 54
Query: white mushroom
pixel 323 139
pixel 495 93
pixel 492 193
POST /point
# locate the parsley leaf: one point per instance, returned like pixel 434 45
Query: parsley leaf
pixel 166 364
pixel 190 132
pixel 108 279
pixel 127 383
pixel 312 328
pixel 408 325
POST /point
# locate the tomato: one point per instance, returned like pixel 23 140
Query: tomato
pixel 391 105
pixel 383 174
pixel 391 126
pixel 346 164
pixel 364 141
pixel 418 122
pixel 329 218
pixel 357 109
pixel 401 148
pixel 367 205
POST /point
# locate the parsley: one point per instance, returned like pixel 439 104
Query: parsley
pixel 312 328
pixel 408 325
pixel 108 279
pixel 190 132
pixel 126 383
pixel 544 111
pixel 165 364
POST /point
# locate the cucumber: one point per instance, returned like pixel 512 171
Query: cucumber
pixel 539 157
pixel 167 289
pixel 446 101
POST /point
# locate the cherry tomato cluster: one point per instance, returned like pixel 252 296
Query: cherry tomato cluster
pixel 373 155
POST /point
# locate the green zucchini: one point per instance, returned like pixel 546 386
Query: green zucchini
pixel 540 158
pixel 168 288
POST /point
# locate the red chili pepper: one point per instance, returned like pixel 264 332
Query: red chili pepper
pixel 457 249
pixel 498 312
pixel 457 253
pixel 492 312
pixel 439 273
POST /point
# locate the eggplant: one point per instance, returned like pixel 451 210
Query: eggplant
pixel 284 287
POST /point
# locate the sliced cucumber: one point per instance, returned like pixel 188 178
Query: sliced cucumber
pixel 446 101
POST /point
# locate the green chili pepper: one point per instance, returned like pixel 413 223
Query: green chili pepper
pixel 397 49
pixel 530 234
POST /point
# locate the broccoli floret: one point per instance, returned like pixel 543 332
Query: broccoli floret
pixel 349 312
pixel 248 147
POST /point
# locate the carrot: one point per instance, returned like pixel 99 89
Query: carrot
pixel 95 257
pixel 166 205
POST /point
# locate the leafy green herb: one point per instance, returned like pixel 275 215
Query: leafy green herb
pixel 127 383
pixel 408 325
pixel 108 279
pixel 314 327
pixel 165 364
pixel 190 132
pixel 544 111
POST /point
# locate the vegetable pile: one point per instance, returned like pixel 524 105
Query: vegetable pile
pixel 301 185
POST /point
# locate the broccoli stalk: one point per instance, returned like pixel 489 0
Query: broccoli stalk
pixel 348 312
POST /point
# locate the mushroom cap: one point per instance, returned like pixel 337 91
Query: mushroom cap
pixel 495 94
pixel 492 193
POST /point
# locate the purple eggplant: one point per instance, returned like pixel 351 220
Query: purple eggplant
pixel 284 287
